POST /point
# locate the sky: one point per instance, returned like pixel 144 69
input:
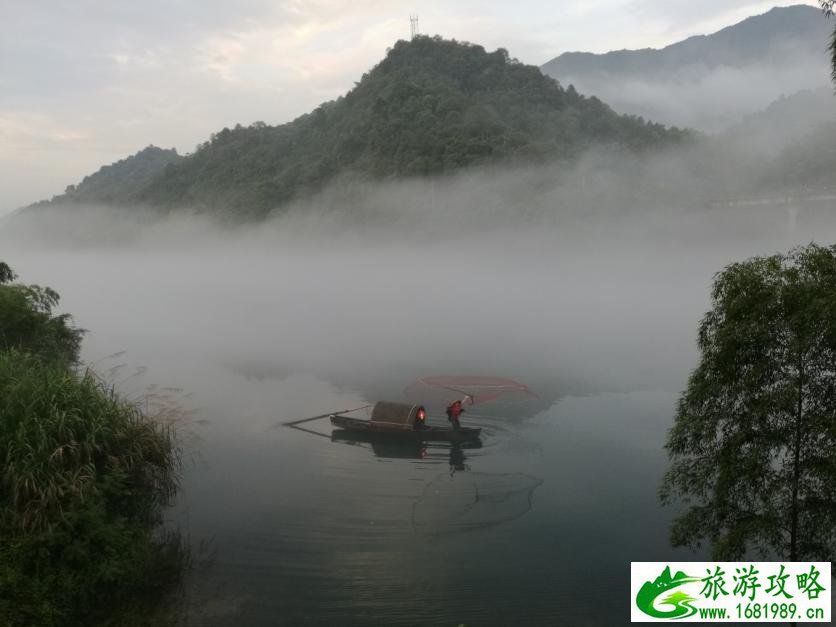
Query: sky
pixel 84 83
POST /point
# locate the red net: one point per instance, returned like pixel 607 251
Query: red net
pixel 445 389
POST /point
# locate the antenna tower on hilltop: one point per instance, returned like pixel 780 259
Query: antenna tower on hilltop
pixel 413 26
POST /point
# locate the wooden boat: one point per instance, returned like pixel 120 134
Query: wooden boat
pixel 402 421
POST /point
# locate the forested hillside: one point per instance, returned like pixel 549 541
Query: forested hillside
pixel 807 166
pixel 787 120
pixel 431 106
pixel 120 182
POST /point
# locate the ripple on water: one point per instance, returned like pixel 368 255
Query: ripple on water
pixel 474 501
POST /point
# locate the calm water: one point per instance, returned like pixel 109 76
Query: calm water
pixel 537 526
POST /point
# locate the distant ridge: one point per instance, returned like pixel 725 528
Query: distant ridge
pixel 120 182
pixel 691 82
pixel 785 121
pixel 771 36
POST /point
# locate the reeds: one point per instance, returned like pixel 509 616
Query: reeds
pixel 65 437
pixel 83 478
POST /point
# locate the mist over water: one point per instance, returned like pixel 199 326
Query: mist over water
pixel 708 98
pixel 564 277
pixel 570 288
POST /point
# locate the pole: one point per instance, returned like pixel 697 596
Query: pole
pixel 333 413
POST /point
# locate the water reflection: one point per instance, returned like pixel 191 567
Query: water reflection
pixel 388 447
pixel 457 458
pixel 451 503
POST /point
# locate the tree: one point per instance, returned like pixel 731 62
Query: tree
pixel 753 446
pixel 27 322
pixel 828 7
pixel 6 274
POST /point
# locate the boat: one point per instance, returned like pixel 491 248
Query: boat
pixel 398 420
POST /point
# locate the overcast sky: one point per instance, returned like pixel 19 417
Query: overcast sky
pixel 86 82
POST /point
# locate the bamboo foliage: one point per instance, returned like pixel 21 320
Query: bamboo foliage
pixel 65 436
pixel 84 474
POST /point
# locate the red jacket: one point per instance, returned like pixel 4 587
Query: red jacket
pixel 455 410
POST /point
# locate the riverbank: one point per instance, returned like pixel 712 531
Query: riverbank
pixel 86 475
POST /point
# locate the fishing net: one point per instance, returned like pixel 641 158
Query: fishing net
pixel 439 391
pixel 472 500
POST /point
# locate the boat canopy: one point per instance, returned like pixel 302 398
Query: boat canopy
pixel 395 415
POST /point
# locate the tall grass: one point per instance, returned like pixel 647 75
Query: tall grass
pixel 84 477
pixel 63 436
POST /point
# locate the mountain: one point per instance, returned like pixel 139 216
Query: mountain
pixel 121 182
pixel 784 122
pixel 807 166
pixel 709 81
pixel 787 149
pixel 431 106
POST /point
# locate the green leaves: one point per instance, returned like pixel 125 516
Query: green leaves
pixel 84 477
pixel 83 474
pixel 828 8
pixel 6 274
pixel 27 323
pixel 64 437
pixel 753 447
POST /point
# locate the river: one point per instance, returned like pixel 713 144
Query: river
pixel 536 525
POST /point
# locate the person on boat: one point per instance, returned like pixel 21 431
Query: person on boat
pixel 454 411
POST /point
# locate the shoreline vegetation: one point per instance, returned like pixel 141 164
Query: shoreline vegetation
pixel 759 411
pixel 86 475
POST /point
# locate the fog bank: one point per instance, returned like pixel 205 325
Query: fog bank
pixel 565 284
